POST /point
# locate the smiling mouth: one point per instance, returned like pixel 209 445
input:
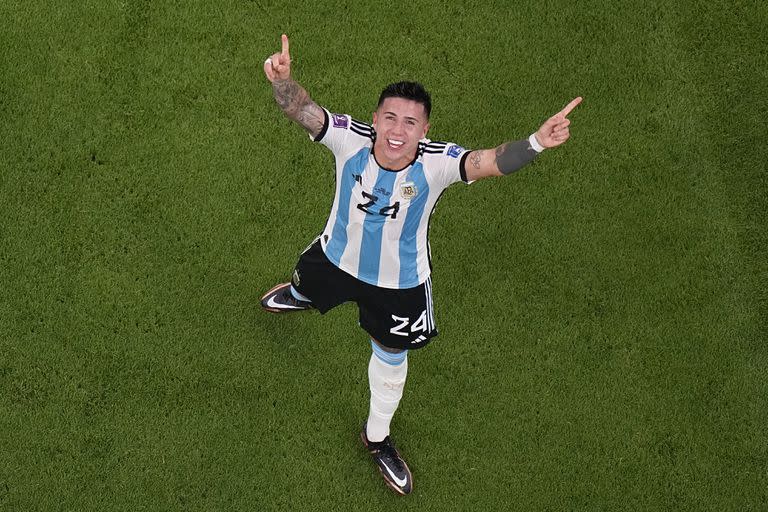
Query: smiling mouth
pixel 395 144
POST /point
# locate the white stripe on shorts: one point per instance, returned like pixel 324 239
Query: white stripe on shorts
pixel 430 309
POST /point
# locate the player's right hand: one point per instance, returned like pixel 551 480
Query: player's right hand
pixel 278 66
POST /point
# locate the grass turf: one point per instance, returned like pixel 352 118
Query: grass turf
pixel 602 313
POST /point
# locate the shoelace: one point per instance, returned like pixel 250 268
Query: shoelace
pixel 289 299
pixel 388 450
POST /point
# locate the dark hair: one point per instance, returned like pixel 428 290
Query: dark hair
pixel 410 91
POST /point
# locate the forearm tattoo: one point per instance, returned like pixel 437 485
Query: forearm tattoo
pixel 286 93
pixel 511 156
pixel 298 106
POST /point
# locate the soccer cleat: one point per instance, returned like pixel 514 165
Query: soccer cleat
pixel 280 300
pixel 391 465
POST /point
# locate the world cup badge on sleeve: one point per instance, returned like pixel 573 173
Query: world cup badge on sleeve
pixel 454 151
pixel 408 190
pixel 340 121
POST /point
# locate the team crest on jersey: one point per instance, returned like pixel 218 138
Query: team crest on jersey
pixel 454 151
pixel 339 121
pixel 408 190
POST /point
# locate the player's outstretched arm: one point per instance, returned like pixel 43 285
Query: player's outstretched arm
pixel 511 156
pixel 292 98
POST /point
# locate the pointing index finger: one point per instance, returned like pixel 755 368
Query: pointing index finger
pixel 284 39
pixel 570 106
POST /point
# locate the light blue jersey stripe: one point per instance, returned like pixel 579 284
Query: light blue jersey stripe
pixel 373 228
pixel 338 242
pixel 409 274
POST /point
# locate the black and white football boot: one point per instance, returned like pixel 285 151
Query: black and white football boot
pixel 391 465
pixel 280 300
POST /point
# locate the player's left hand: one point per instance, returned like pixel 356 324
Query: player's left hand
pixel 554 131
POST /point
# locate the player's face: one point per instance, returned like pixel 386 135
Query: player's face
pixel 399 125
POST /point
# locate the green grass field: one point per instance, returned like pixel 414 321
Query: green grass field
pixel 603 313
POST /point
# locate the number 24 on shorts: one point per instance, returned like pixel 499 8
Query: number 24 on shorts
pixel 402 323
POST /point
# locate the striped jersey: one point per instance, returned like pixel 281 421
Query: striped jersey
pixel 378 226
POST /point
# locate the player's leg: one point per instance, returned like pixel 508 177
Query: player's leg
pixel 387 371
pixel 397 321
pixel 316 283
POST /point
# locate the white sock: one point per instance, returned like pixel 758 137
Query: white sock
pixel 298 296
pixel 386 379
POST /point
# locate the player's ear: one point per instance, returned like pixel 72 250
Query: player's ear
pixel 426 129
pixel 374 119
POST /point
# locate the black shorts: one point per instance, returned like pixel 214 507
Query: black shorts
pixel 402 319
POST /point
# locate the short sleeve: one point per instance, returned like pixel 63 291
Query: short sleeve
pixel 448 159
pixel 341 133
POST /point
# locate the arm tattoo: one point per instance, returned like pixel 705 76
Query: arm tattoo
pixel 511 156
pixel 286 93
pixel 295 102
pixel 475 159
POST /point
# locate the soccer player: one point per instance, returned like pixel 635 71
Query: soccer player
pixel 374 249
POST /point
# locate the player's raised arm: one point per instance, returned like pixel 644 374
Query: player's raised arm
pixel 511 156
pixel 290 96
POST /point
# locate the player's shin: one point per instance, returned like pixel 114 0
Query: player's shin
pixel 386 378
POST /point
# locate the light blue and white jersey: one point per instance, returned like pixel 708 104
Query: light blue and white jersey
pixel 377 229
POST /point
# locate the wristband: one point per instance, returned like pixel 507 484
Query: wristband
pixel 535 143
